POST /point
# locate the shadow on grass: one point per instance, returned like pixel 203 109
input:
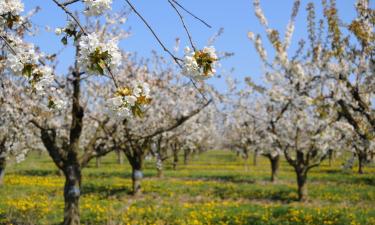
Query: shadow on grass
pixel 220 178
pixel 105 191
pixel 280 195
pixel 38 172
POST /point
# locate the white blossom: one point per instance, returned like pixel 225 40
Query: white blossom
pixel 90 44
pixel 196 70
pixel 97 7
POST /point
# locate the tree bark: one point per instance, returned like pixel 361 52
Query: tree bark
pixel 98 162
pixel 120 158
pixel 160 172
pixel 301 182
pixel 275 164
pixel 137 176
pixel 186 156
pixel 72 194
pixel 175 159
pixel 246 163
pixel 330 157
pixel 361 161
pixel 2 170
pixel 159 166
pixel 255 156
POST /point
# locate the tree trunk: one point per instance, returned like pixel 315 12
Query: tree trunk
pixel 72 194
pixel 255 156
pixel 98 162
pixel 301 182
pixel 175 159
pixel 137 176
pixel 186 156
pixel 330 157
pixel 246 163
pixel 159 166
pixel 120 158
pixel 160 173
pixel 2 170
pixel 275 164
pixel 361 161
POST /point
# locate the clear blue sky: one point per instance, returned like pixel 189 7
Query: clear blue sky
pixel 236 17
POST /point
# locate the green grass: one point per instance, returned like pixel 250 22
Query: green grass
pixel 213 188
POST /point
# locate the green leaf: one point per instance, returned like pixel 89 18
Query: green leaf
pixel 27 70
pixel 64 40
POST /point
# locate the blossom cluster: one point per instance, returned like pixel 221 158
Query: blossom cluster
pixel 23 60
pixel 200 64
pixel 9 13
pixel 96 57
pixel 130 100
pixel 97 7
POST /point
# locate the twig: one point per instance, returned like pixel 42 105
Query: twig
pixel 71 15
pixel 183 23
pixel 7 43
pixel 69 2
pixel 154 34
pixel 191 14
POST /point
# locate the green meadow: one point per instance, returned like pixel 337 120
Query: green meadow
pixel 213 188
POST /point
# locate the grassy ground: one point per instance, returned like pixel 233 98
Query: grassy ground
pixel 213 189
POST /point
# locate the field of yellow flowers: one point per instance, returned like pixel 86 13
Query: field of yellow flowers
pixel 214 188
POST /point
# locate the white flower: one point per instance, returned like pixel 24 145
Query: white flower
pixel 191 67
pixel 90 44
pixel 130 99
pixel 58 31
pixel 46 80
pixel 97 7
pixel 14 7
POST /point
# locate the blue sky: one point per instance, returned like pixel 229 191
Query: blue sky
pixel 236 17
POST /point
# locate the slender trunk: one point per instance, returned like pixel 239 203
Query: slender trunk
pixel 301 182
pixel 361 161
pixel 72 194
pixel 160 173
pixel 275 164
pixel 330 157
pixel 159 166
pixel 137 176
pixel 186 156
pixel 98 162
pixel 255 156
pixel 175 159
pixel 120 157
pixel 246 163
pixel 2 170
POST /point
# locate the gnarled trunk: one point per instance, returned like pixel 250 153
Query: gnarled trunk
pixel 301 182
pixel 275 164
pixel 72 194
pixel 2 169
